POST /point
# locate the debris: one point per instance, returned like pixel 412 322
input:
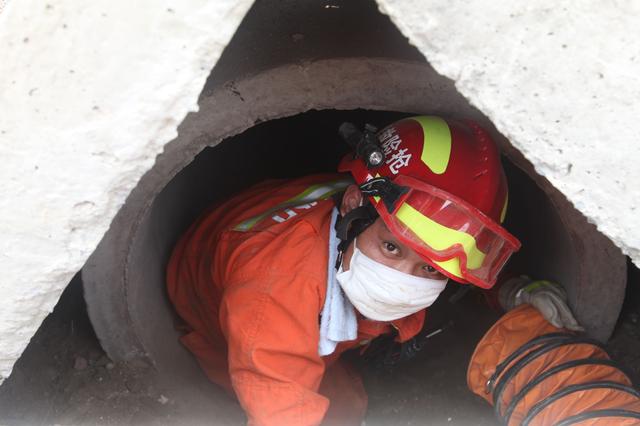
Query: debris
pixel 163 399
pixel 80 363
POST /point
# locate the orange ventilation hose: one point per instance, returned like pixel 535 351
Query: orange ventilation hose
pixel 535 374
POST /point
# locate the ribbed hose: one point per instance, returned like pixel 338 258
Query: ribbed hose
pixel 534 374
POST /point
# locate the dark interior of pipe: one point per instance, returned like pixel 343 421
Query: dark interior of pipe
pixel 289 147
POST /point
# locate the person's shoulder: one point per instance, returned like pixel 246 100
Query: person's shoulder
pixel 275 207
pixel 287 232
pixel 290 266
pixel 297 247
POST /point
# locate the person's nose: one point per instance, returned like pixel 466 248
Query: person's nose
pixel 408 267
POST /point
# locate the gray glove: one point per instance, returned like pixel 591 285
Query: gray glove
pixel 547 297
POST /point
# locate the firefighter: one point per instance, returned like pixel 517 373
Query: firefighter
pixel 275 283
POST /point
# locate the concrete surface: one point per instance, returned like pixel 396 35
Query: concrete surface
pixel 91 93
pixel 560 80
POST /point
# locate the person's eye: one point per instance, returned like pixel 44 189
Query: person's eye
pixel 390 247
pixel 433 273
pixel 430 269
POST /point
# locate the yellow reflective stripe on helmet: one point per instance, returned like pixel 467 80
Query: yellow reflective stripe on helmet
pixel 441 238
pixel 452 266
pixel 436 149
pixel 503 214
pixel 313 193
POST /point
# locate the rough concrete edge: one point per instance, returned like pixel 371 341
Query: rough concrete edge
pixel 54 279
pixel 396 11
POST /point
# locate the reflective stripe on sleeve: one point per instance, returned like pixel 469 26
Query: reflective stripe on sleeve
pixel 313 193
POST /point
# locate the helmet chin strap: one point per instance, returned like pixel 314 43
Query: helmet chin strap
pixel 349 226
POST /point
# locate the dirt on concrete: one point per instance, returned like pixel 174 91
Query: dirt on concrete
pixel 65 378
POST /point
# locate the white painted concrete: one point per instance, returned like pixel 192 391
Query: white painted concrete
pixel 560 80
pixel 89 92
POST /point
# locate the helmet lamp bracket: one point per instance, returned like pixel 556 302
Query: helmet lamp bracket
pixel 364 144
pixel 388 191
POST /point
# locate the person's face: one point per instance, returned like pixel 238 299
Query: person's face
pixel 378 243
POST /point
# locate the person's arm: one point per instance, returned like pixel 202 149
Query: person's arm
pixel 270 321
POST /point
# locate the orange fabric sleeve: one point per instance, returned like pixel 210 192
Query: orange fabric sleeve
pixel 273 356
pixel 269 314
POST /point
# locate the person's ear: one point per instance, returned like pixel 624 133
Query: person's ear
pixel 352 198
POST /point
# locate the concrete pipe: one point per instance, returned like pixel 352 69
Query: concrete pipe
pixel 276 115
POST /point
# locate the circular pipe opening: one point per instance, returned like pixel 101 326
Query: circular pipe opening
pixel 302 144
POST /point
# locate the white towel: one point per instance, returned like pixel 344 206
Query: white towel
pixel 338 321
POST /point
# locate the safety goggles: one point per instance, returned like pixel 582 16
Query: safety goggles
pixel 455 237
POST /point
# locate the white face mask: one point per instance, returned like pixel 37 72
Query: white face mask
pixel 382 293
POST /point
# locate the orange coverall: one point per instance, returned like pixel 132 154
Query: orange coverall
pixel 249 279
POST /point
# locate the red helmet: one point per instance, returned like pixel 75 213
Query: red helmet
pixel 442 191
